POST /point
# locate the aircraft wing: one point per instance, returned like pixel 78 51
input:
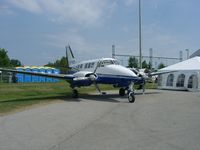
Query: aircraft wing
pixel 163 72
pixel 57 76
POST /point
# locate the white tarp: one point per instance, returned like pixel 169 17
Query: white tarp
pixel 190 64
pixel 190 69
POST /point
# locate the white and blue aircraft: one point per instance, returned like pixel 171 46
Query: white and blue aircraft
pixel 97 71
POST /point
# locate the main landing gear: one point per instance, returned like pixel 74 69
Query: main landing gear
pixel 75 93
pixel 122 91
pixel 130 92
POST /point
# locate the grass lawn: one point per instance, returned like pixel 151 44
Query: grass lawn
pixel 22 95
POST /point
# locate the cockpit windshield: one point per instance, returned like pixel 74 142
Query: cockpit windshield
pixel 109 62
pixel 115 62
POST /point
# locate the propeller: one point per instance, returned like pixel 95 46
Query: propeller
pixel 97 66
pixel 94 77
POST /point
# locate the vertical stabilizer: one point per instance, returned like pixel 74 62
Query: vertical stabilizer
pixel 70 56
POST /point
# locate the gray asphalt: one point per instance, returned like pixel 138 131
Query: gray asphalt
pixel 158 120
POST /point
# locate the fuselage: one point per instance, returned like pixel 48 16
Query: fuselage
pixel 107 71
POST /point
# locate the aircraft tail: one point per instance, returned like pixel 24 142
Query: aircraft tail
pixel 70 56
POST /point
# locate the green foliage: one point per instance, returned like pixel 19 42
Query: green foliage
pixel 133 62
pixel 144 64
pixel 4 59
pixel 161 65
pixel 15 63
pixel 60 64
pixel 149 66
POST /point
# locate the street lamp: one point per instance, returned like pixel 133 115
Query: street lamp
pixel 140 37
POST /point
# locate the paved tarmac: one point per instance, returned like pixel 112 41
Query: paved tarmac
pixel 158 120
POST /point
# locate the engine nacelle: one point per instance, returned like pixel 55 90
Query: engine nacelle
pixel 85 75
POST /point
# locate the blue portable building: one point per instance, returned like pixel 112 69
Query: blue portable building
pixel 19 76
pixel 27 78
pixel 56 71
pixel 35 78
pixel 41 70
pixel 49 71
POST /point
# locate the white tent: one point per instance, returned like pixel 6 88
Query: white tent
pixel 185 77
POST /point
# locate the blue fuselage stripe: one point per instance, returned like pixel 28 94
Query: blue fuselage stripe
pixel 119 80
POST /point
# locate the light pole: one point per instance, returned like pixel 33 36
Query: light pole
pixel 140 37
pixel 187 50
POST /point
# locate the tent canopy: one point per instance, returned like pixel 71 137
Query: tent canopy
pixel 189 64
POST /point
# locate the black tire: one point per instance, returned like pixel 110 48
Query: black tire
pixel 121 91
pixel 75 93
pixel 131 97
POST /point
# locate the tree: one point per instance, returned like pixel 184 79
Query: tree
pixel 4 59
pixel 144 64
pixel 15 63
pixel 149 66
pixel 60 64
pixel 133 62
pixel 161 65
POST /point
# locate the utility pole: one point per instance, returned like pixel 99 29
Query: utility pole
pixel 181 56
pixel 113 51
pixel 187 50
pixel 140 36
pixel 151 57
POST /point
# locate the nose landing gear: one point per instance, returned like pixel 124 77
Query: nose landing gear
pixel 131 97
pixel 74 93
pixel 130 91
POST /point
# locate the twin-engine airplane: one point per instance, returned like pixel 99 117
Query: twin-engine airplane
pixel 97 71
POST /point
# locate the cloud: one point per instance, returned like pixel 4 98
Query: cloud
pixel 71 37
pixel 79 11
pixel 112 8
pixel 4 10
pixel 31 5
pixel 130 2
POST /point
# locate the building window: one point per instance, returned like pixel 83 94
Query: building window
pixel 193 82
pixel 170 80
pixel 180 80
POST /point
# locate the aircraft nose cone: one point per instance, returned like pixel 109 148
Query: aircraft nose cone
pixel 121 70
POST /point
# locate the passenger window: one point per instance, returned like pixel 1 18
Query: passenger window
pixel 86 65
pixel 81 66
pixel 92 65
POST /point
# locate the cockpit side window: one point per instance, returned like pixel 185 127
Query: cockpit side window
pixel 115 62
pixel 92 65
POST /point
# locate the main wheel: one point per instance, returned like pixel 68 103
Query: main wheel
pixel 131 97
pixel 121 91
pixel 75 93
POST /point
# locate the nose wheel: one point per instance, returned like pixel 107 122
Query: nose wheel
pixel 131 97
pixel 131 94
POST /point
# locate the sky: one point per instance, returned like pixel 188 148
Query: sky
pixel 37 31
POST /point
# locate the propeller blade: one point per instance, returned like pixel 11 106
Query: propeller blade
pixel 97 66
